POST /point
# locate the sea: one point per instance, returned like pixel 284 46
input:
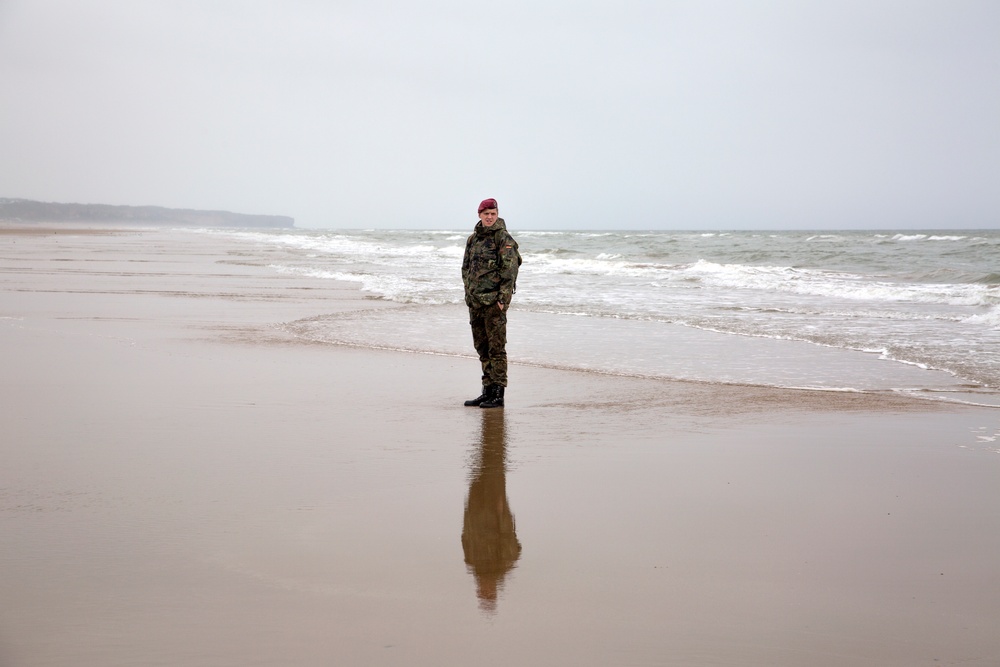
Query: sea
pixel 912 312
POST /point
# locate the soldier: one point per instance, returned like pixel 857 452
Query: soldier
pixel 489 271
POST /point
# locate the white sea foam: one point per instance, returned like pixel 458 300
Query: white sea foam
pixel 838 285
pixel 388 286
pixel 990 318
pixel 928 237
pixel 549 264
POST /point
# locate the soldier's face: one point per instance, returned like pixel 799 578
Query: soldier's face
pixel 488 217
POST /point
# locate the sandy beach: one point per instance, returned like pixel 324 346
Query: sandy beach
pixel 185 482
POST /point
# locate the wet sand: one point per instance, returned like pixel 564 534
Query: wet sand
pixel 183 482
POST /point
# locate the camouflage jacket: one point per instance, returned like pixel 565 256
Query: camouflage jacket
pixel 489 269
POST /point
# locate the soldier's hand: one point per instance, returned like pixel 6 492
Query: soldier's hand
pixel 500 303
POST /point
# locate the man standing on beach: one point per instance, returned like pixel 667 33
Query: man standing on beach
pixel 489 271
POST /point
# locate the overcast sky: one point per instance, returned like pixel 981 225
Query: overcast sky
pixel 574 114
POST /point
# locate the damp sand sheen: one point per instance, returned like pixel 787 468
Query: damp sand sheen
pixel 195 471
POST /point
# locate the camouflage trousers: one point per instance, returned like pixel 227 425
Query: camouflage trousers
pixel 489 336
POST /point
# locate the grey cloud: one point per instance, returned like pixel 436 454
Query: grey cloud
pixel 573 114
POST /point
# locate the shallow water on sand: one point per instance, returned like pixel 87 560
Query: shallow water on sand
pixel 639 349
pixel 858 311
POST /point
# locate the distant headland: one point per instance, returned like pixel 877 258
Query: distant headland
pixel 37 212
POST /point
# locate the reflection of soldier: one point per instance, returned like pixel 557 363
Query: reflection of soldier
pixel 488 538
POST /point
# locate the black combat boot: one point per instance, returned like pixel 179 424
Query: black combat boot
pixel 495 399
pixel 478 400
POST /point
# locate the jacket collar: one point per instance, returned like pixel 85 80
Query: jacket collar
pixel 482 229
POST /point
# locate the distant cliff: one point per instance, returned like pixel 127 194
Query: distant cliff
pixel 27 211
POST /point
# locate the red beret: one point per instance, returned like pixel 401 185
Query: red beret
pixel 487 203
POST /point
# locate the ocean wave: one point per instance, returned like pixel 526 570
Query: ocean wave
pixel 553 264
pixel 990 318
pixel 401 289
pixel 775 279
pixel 349 246
pixel 837 285
pixel 845 315
pixel 549 252
pixel 928 237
